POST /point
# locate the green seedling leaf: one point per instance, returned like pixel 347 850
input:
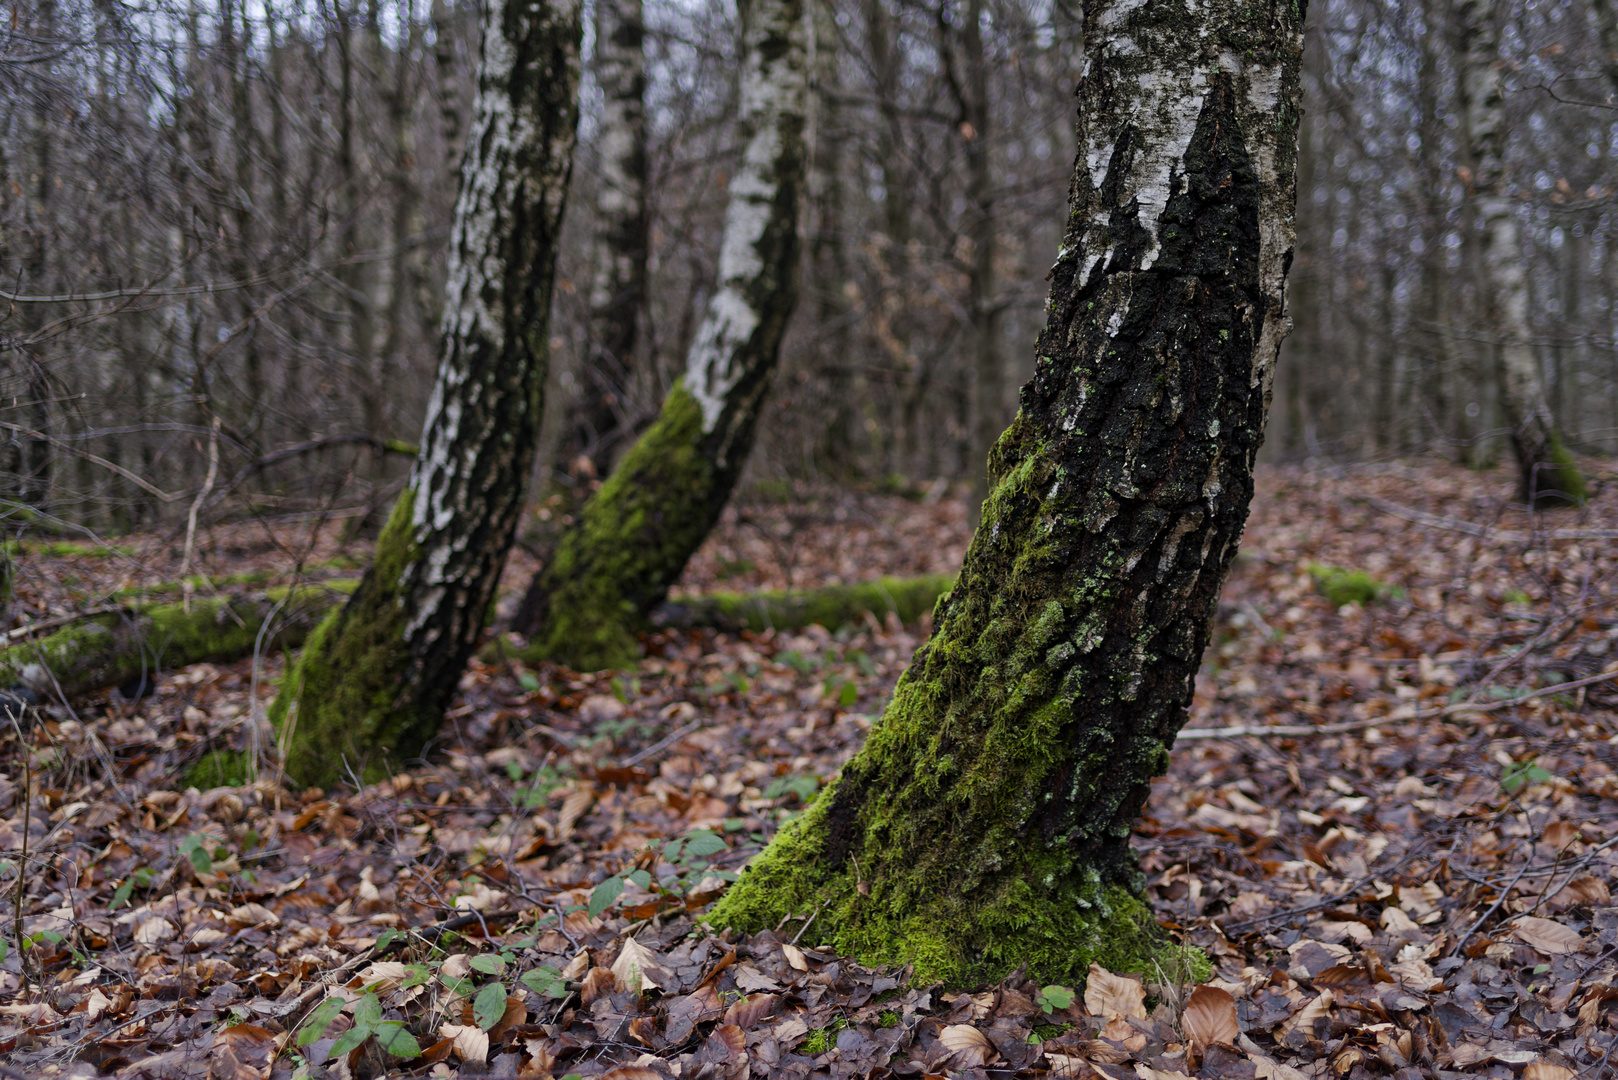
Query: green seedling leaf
pixel 458 987
pixel 192 847
pixel 349 1040
pixel 392 1037
pixel 319 1020
pixel 528 681
pixel 488 963
pixel 603 895
pixel 415 975
pixel 120 895
pixel 367 1010
pixel 385 938
pixel 489 1006
pixel 703 843
pixel 545 981
pixel 1054 998
pixel 5 949
pixel 849 694
pixel 641 878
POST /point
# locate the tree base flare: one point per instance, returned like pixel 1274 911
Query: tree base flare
pixel 1053 929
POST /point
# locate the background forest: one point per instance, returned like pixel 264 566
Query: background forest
pixel 222 229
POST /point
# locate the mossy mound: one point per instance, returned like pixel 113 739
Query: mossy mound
pixel 1342 586
pixel 220 768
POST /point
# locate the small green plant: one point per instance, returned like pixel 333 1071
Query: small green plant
pixel 823 1040
pixel 390 1035
pixel 1522 774
pixel 843 690
pixel 1053 999
pixel 802 787
pixel 1342 586
pixel 692 859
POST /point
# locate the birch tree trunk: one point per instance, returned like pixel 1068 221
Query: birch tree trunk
pixel 615 564
pixel 618 292
pixel 985 824
pixel 1549 474
pixel 373 682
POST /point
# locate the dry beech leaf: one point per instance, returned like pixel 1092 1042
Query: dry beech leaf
pixel 1125 1034
pixel 1544 1070
pixel 576 967
pixel 1304 1019
pixel 639 968
pixel 242 1052
pixel 573 808
pixel 599 981
pixel 968 1047
pixel 1559 834
pixel 468 1041
pixel 1583 892
pixel 731 1038
pixel 1549 937
pixel 1146 1072
pixel 1111 996
pixel 632 1072
pixel 795 957
pixel 748 1011
pixel 1210 1017
pixel 1070 1066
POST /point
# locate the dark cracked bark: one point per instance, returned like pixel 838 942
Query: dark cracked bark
pixel 371 686
pixel 615 564
pixel 985 824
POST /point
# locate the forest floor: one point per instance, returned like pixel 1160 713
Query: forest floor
pixel 1423 890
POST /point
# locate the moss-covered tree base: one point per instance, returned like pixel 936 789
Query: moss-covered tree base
pixel 1557 483
pixel 1041 918
pixel 595 595
pixel 341 711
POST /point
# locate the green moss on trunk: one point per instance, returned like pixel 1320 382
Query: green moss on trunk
pixel 340 705
pixel 631 541
pixel 986 822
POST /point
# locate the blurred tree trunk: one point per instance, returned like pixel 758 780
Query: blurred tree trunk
pixel 1549 474
pixel 988 372
pixel 835 452
pixel 622 240
pixel 632 539
pixel 985 824
pixel 372 684
pixel 1606 12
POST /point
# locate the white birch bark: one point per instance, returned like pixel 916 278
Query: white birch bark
pixel 1547 474
pixel 772 118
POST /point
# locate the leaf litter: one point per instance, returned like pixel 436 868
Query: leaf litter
pixel 1424 893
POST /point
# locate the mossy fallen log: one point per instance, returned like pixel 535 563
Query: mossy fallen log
pixel 832 606
pixel 137 642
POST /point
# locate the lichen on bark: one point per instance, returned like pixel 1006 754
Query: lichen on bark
pixel 616 562
pixel 371 686
pixel 985 823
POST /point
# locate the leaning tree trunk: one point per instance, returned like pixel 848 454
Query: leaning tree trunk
pixel 986 822
pixel 374 680
pixel 615 564
pixel 1549 474
pixel 622 235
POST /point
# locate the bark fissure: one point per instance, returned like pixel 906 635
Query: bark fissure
pixel 985 824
